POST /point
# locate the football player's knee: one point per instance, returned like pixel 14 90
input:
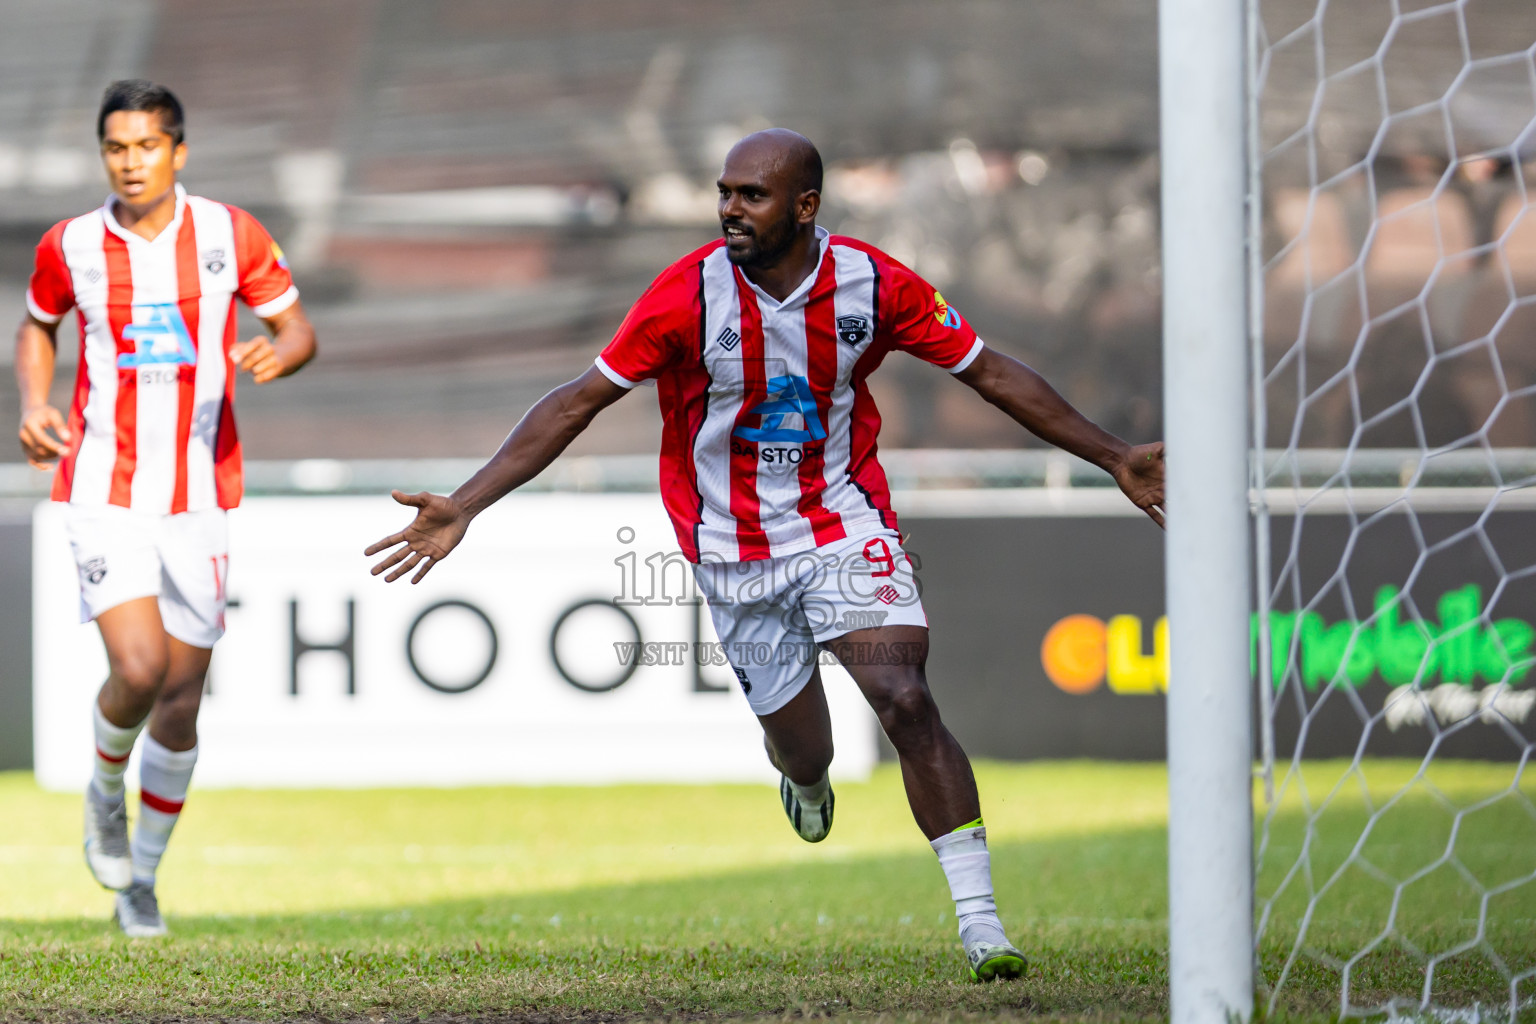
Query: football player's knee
pixel 141 669
pixel 179 699
pixel 905 705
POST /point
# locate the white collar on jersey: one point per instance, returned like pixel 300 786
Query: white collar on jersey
pixel 797 297
pixel 170 231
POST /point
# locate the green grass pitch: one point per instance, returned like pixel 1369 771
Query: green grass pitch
pixel 699 903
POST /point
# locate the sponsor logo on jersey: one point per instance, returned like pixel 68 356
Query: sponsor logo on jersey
pixel 944 314
pixel 728 338
pixel 92 274
pixel 95 570
pixel 779 456
pixel 853 329
pixel 213 260
pixel 277 254
pixel 160 336
pixel 787 396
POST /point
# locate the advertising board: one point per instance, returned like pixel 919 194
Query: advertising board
pixel 562 643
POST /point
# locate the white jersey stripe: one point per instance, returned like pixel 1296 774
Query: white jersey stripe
pixel 712 447
pixel 155 291
pixel 87 262
pixel 778 478
pixel 216 277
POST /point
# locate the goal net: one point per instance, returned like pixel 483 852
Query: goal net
pixel 1393 163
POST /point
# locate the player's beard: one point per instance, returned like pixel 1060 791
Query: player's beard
pixel 767 247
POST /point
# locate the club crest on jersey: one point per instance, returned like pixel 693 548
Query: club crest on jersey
pixel 787 396
pixel 728 339
pixel 213 260
pixel 853 329
pixel 160 336
pixel 944 314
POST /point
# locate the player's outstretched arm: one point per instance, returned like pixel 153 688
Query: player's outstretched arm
pixel 43 433
pixel 539 437
pixel 1028 398
pixel 291 345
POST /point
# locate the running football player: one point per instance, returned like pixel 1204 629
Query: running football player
pixel 148 460
pixel 761 343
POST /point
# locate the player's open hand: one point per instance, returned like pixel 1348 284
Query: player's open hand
pixel 437 529
pixel 43 436
pixel 1140 476
pixel 258 358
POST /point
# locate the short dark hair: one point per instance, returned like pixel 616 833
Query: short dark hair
pixel 142 94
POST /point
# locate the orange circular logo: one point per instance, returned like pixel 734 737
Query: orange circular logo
pixel 1073 653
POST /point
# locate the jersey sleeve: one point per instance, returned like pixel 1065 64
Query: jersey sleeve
pixel 918 320
pixel 265 283
pixel 51 292
pixel 656 332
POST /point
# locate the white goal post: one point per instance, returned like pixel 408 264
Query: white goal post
pixel 1203 96
pixel 1349 247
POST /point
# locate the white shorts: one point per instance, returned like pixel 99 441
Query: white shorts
pixel 182 559
pixel 771 613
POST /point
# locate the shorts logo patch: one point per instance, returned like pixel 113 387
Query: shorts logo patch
pixel 95 570
pixel 853 329
pixel 887 594
pixel 728 339
pixel 741 677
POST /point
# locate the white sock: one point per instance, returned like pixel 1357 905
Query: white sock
pixel 968 866
pixel 113 745
pixel 164 775
pixel 811 796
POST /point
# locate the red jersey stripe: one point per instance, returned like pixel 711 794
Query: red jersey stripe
pixel 120 315
pixel 188 295
pixel 745 505
pixel 821 371
pixel 160 803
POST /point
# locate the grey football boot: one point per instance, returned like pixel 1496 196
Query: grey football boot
pixel 106 839
pixel 137 912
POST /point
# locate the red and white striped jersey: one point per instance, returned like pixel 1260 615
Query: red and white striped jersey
pixel 769 430
pixel 152 422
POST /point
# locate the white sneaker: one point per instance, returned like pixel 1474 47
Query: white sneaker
pixel 106 839
pixel 137 912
